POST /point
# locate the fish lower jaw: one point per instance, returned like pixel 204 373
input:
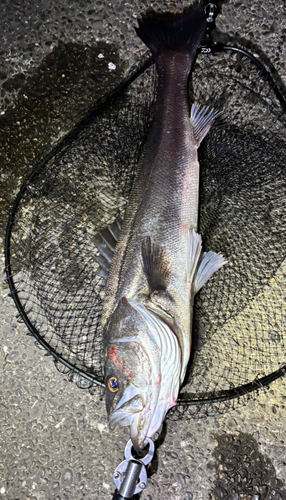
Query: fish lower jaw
pixel 137 435
pixel 139 446
pixel 120 420
pixel 139 442
pixel 130 410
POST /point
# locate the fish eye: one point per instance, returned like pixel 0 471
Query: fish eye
pixel 112 384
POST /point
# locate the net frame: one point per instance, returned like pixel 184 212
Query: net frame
pixel 225 395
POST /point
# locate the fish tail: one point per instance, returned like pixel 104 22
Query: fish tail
pixel 180 34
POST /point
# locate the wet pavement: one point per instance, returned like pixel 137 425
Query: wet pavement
pixel 57 59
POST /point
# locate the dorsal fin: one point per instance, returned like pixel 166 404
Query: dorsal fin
pixel 105 242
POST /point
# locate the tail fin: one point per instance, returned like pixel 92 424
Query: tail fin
pixel 180 34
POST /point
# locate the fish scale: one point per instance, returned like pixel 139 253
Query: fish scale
pixel 158 207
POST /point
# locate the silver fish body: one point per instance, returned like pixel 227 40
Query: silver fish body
pixel 157 266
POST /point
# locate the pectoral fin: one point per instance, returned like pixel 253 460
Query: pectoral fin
pixel 155 266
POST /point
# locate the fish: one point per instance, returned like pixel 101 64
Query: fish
pixel 152 263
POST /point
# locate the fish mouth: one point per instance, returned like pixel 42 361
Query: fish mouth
pixel 144 409
pixel 130 412
pixel 128 406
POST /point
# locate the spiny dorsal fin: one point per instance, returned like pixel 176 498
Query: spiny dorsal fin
pixel 105 242
pixel 202 119
pixel 155 266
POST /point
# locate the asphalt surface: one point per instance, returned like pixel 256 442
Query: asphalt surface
pixel 54 438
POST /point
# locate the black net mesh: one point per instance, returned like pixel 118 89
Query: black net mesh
pixel 241 312
pixel 240 315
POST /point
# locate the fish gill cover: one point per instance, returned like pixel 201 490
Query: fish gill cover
pixel 80 187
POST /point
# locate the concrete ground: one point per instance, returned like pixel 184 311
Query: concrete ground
pixel 54 438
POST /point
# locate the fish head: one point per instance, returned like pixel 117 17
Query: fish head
pixel 133 375
pixel 127 372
